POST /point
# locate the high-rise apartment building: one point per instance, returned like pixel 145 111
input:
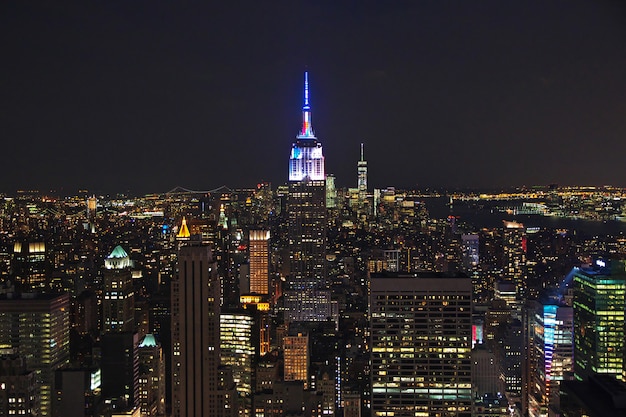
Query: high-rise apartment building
pixel 200 386
pixel 37 327
pixel 421 330
pixel 259 261
pixel 306 206
pixel 599 302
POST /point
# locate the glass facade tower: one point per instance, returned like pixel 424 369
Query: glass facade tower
pixel 599 302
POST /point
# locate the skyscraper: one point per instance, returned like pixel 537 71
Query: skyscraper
pixel 238 352
pixel 259 261
pixel 118 304
pixel 120 369
pixel 37 328
pixel 421 328
pixel 306 206
pixel 362 178
pixel 514 256
pixel 550 353
pixel 120 360
pixel 151 377
pixel 296 358
pixel 599 302
pixel 200 387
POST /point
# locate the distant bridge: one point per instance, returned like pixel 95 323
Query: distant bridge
pixel 178 190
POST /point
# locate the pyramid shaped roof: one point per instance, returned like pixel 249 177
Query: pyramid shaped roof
pixel 148 341
pixel 183 233
pixel 118 252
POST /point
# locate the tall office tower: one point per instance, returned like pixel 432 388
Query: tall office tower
pixel 161 327
pixel 514 256
pixel 306 205
pixel 120 369
pixel 238 352
pixel 200 387
pixel 37 327
pixel 551 354
pixel 421 330
pixel 296 358
pixel 259 261
pixel 509 352
pixel 151 377
pixel 19 390
pixel 118 305
pixel 599 302
pixel 361 169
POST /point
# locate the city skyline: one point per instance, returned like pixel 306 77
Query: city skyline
pixel 146 96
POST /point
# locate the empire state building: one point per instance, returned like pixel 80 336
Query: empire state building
pixel 306 298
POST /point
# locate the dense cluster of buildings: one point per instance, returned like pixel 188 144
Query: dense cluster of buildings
pixel 304 300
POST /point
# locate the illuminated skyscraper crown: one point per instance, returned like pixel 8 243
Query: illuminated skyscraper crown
pixel 307 160
pixel 307 129
pixel 118 259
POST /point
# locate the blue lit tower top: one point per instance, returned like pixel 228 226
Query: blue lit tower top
pixel 307 160
pixel 307 129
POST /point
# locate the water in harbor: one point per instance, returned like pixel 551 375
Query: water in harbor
pixel 483 214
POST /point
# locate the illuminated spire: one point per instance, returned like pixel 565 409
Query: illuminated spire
pixel 183 233
pixel 306 91
pixel 361 167
pixel 307 129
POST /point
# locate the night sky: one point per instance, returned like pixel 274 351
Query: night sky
pixel 142 96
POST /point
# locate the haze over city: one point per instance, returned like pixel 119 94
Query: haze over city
pixel 145 96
